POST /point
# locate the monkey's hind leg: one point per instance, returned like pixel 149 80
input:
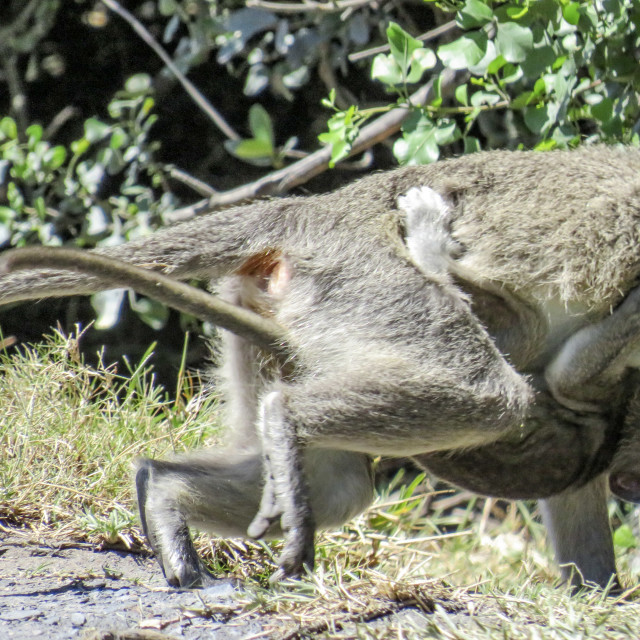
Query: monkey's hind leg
pixel 594 360
pixel 219 491
pixel 403 412
pixel 163 490
pixel 285 496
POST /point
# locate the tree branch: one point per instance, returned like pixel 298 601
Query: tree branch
pixel 334 6
pixel 189 87
pixel 283 180
pixel 425 37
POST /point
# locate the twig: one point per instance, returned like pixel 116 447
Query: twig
pixel 263 332
pixel 362 163
pixel 21 22
pixel 300 172
pixel 308 5
pixel 59 120
pixel 189 87
pixel 17 93
pixel 425 37
pixel 190 181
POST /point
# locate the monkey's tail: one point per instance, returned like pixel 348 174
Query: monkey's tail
pixel 206 247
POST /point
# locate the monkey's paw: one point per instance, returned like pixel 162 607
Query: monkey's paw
pixel 187 574
pixel 298 553
pixel 298 526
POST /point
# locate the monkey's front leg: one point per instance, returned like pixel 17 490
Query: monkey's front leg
pixel 578 524
pixel 285 496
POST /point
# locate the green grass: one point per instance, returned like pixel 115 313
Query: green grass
pixel 69 434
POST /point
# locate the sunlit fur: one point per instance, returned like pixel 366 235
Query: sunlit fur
pixel 407 342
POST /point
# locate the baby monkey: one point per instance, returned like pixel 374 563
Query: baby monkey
pixel 457 313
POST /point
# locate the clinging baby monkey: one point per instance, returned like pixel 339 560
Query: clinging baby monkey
pixel 403 345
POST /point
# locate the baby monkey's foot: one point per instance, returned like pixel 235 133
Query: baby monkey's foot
pixel 295 521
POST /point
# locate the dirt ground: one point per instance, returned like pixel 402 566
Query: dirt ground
pixel 59 591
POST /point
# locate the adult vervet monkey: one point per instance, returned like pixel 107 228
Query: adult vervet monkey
pixel 396 356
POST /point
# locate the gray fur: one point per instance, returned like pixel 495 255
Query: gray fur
pixel 393 358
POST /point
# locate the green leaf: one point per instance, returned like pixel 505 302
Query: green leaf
pixel 140 83
pixel 446 132
pixel 251 149
pixel 623 537
pixel 78 147
pixel 7 214
pixel 385 69
pixel 112 160
pixel 15 197
pixel 421 60
pixel 480 69
pixel 119 138
pixel 515 13
pixel 34 132
pixel 571 13
pixel 471 145
pixel 474 14
pixel 260 125
pixel 330 102
pixel 514 41
pixel 511 73
pixel 41 207
pixel 462 94
pixel 496 65
pixel 522 100
pixel 540 87
pixel 107 306
pixel 342 132
pixel 340 147
pixel 436 101
pixel 464 52
pixel 94 130
pixel 421 139
pixel 151 312
pixel 167 7
pixel 8 128
pixel 402 45
pixel 54 158
pixel 480 98
pixel 540 119
pixel 538 60
pixel 546 145
pixel 147 105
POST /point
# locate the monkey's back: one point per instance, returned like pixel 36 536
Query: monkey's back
pixel 562 225
pixel 558 230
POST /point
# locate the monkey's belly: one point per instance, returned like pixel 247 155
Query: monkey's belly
pixel 502 472
pixel 549 454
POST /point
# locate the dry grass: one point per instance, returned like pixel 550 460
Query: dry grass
pixel 446 564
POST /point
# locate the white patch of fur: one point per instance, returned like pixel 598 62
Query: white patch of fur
pixel 428 237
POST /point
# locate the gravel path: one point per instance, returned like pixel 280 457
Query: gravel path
pixel 73 591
